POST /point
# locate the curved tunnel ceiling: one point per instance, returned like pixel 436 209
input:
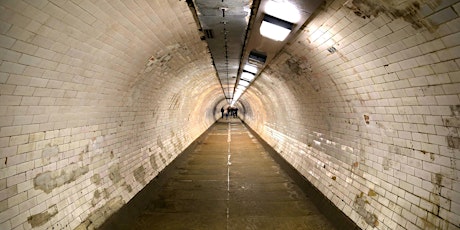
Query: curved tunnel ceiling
pixel 232 30
pixel 224 24
pixel 362 92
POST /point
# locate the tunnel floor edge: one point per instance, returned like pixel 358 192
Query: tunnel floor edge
pixel 331 211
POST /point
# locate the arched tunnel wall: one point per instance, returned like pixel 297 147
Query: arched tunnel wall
pixel 97 98
pixel 374 122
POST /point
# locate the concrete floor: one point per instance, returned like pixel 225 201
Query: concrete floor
pixel 228 181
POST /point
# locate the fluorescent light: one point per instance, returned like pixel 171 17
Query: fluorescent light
pixel 240 88
pixel 247 76
pixel 257 58
pixel 250 68
pixel 237 95
pixel 275 28
pixel 283 10
pixel 243 83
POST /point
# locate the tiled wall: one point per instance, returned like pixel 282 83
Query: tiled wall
pixel 365 104
pixel 95 100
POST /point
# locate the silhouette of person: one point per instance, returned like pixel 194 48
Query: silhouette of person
pixel 236 112
pixel 222 111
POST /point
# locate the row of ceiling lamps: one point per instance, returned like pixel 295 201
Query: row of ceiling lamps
pixel 278 21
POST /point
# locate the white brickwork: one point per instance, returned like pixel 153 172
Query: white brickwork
pixel 375 126
pixel 95 100
pixel 97 97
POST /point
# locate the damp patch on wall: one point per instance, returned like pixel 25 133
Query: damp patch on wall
pixel 139 175
pixel 452 123
pixel 408 11
pixel 360 208
pixel 114 173
pixel 162 57
pixel 302 69
pixel 97 217
pixel 43 217
pixel 96 179
pixel 453 142
pixel 153 163
pixel 96 198
pixel 49 180
pixel 127 187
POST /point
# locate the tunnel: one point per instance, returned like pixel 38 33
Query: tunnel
pixel 97 98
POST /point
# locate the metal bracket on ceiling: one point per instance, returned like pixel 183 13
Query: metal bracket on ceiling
pixel 223 9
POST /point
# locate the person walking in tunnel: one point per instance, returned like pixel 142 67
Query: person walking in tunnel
pixel 235 113
pixel 232 112
pixel 222 111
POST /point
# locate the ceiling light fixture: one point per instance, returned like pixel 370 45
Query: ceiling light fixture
pixel 257 58
pixel 250 68
pixel 244 83
pixel 240 88
pixel 283 10
pixel 247 76
pixel 275 28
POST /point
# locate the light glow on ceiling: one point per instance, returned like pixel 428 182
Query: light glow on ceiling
pixel 247 76
pixel 243 83
pixel 250 68
pixel 275 28
pixel 283 10
pixel 321 35
pixel 240 88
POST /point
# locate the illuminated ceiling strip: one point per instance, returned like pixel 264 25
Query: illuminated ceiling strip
pixel 275 28
pixel 283 10
pixel 247 76
pixel 250 68
pixel 243 83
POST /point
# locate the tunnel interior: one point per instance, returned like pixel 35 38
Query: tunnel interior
pixel 98 97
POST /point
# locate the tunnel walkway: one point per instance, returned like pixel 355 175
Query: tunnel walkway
pixel 228 181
